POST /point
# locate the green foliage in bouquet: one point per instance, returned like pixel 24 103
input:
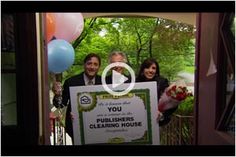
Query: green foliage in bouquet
pixel 186 107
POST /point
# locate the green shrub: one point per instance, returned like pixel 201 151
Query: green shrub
pixel 186 107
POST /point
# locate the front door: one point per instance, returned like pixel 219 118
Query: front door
pixel 215 75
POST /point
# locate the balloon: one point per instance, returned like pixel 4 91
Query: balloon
pixel 61 55
pixel 69 26
pixel 50 23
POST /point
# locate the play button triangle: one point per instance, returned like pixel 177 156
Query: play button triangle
pixel 117 79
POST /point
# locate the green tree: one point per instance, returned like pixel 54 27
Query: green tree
pixel 170 42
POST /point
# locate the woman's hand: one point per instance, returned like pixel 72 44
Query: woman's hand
pixel 159 116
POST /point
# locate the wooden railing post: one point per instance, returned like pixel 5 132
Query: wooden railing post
pixel 174 133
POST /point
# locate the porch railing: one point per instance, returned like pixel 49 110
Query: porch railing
pixel 58 134
pixel 179 131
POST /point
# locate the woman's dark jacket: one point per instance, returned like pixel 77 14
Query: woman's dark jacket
pixel 162 84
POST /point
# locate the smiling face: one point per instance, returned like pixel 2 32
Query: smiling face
pixel 91 67
pixel 150 72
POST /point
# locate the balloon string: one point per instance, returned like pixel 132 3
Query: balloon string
pixel 53 76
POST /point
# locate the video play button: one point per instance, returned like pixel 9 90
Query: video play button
pixel 118 79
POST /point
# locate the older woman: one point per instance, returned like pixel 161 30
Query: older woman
pixel 149 71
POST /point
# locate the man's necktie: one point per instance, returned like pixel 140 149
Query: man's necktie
pixel 90 82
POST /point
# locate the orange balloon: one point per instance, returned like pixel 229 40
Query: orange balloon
pixel 50 25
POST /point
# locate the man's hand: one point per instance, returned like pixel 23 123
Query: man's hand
pixel 72 116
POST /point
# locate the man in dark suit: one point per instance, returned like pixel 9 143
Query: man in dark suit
pixel 89 76
pixel 117 56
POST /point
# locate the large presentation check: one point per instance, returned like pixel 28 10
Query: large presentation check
pixel 102 118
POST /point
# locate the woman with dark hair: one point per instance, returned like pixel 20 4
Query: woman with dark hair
pixel 149 71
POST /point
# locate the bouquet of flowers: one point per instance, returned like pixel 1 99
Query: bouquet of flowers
pixel 173 96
